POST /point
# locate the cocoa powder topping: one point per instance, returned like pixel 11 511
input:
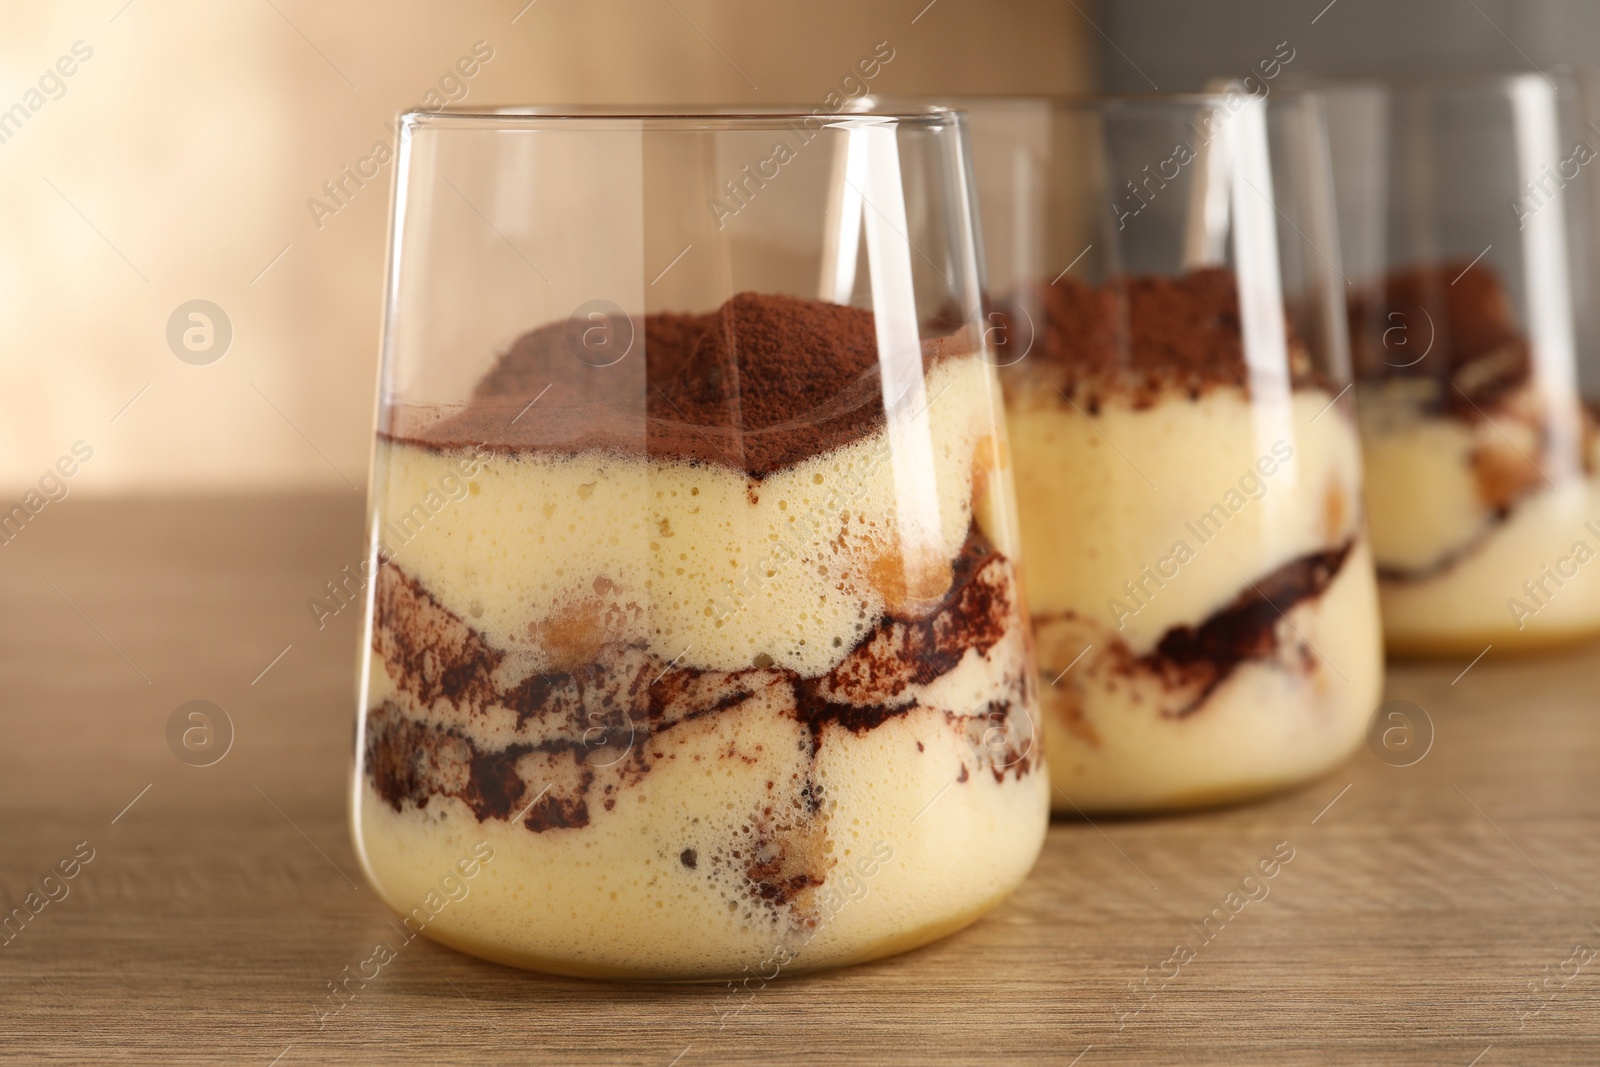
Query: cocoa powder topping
pixel 1144 334
pixel 762 383
pixel 1449 323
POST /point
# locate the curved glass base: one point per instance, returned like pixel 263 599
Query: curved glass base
pixel 1438 646
pixel 569 968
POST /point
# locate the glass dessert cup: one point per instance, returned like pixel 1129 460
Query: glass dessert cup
pixel 1187 463
pixel 696 630
pixel 1468 208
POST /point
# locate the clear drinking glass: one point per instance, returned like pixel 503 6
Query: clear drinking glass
pixel 696 647
pixel 1467 205
pixel 1170 322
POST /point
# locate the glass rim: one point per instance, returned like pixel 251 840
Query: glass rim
pixel 687 117
pixel 1436 81
pixel 1093 101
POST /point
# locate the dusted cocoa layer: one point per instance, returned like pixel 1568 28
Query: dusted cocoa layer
pixel 1459 315
pixel 598 728
pixel 762 383
pixel 1139 337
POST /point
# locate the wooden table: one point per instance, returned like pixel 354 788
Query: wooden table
pixel 1421 906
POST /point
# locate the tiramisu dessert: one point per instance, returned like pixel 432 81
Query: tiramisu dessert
pixel 723 652
pixel 1481 472
pixel 1201 588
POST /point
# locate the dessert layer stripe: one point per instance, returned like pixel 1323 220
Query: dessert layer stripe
pixel 459 718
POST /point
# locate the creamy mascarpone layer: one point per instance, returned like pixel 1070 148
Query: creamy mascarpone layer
pixel 910 852
pixel 1142 520
pixel 1484 597
pixel 697 560
pixel 1103 498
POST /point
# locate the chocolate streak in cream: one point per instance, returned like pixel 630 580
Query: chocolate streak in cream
pixel 434 656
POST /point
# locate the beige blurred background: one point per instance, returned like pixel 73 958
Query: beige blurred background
pixel 176 161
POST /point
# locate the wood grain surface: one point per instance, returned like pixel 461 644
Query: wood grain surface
pixel 1430 913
